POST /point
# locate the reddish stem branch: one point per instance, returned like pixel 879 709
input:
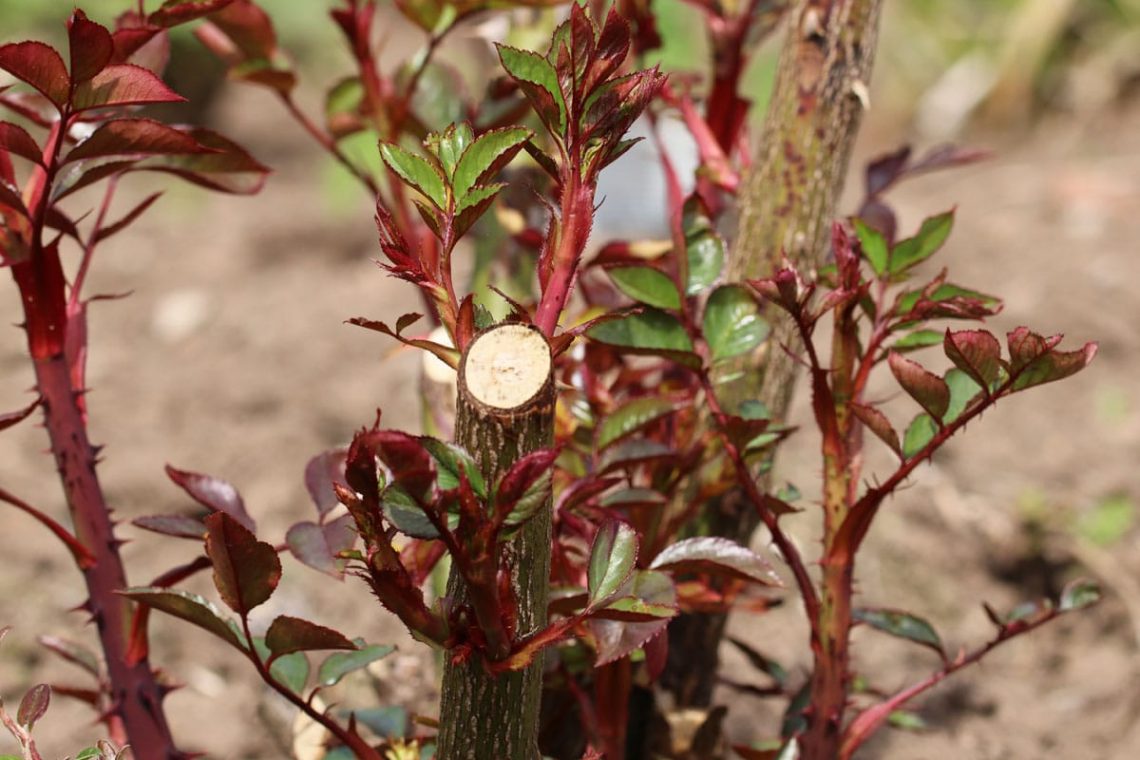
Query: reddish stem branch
pixel 788 549
pixel 329 144
pixel 360 748
pixel 870 720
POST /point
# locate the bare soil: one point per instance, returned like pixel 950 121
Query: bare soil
pixel 231 357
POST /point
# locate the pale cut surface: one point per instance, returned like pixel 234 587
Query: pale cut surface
pixel 507 366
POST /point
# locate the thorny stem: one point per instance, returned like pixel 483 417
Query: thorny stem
pixel 871 719
pixel 787 548
pixel 135 694
pixel 573 230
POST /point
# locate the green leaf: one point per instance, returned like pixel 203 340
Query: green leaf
pixel 704 248
pixel 189 607
pixel 292 670
pixel 630 418
pixel 979 304
pixel 732 324
pixel 650 331
pixel 963 390
pixel 612 558
pixel 646 285
pixel 386 722
pixel 931 235
pixel 1079 594
pixel 647 595
pixel 902 625
pixel 1108 521
pixel 417 172
pixel 534 498
pixel 916 340
pixel 487 155
pixel 408 517
pixel 919 433
pixel 532 68
pixel 337 666
pixel 449 146
pixel 906 720
pixel 450 458
pixel 874 246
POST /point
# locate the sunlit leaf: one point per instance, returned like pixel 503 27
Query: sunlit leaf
pixel 713 554
pixel 417 172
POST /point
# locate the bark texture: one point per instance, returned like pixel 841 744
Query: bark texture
pixel 785 208
pixel 482 716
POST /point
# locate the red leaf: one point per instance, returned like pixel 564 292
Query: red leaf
pixel 321 472
pixel 228 169
pixel 977 353
pixel 289 634
pixel 91 47
pixel 130 40
pixel 175 12
pixel 34 705
pixel 246 571
pixel 878 424
pixel 411 465
pixel 123 84
pixel 615 639
pixel 179 526
pixel 928 389
pixel 213 493
pixel 885 170
pixel 130 137
pixel 249 28
pixel 318 545
pixel 40 66
pixel 1034 360
pixel 15 139
pixel 11 418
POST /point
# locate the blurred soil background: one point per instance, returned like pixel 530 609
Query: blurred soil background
pixel 231 357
